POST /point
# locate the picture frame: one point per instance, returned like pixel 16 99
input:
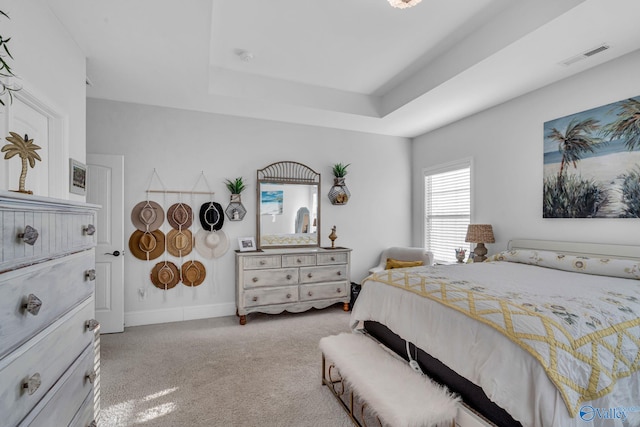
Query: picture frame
pixel 77 177
pixel 246 244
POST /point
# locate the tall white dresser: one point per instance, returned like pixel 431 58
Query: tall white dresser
pixel 295 280
pixel 49 355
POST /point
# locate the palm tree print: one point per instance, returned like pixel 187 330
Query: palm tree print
pixel 577 140
pixel 26 149
pixel 627 125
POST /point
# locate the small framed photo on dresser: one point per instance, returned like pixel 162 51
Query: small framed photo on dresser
pixel 246 244
pixel 77 177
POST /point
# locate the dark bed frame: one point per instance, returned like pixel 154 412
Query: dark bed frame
pixel 470 393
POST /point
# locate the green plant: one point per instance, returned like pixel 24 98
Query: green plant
pixel 570 196
pixel 340 170
pixel 236 186
pixel 631 193
pixel 5 69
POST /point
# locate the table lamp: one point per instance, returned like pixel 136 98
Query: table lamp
pixel 480 234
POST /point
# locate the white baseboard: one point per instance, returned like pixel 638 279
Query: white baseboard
pixel 152 317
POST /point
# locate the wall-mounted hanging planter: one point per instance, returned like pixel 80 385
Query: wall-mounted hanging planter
pixel 235 211
pixel 339 194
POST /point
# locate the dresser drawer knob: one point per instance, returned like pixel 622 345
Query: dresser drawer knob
pixel 262 262
pixel 92 324
pixel 254 299
pixel 339 273
pixel 90 274
pixel 288 277
pixel 310 293
pixel 32 305
pixel 339 290
pixel 299 261
pixel 288 296
pixel 309 275
pixel 254 280
pixel 32 384
pixel 89 230
pixel 29 236
pixel 333 258
pixel 91 377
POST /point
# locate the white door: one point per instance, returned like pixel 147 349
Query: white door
pixel 105 187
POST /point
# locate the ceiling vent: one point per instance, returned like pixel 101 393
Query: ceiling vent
pixel 584 55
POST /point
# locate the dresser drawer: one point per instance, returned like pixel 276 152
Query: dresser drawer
pixel 57 234
pixel 275 277
pixel 48 356
pixel 61 404
pixel 281 295
pixel 298 260
pixel 85 414
pixel 266 261
pixel 59 284
pixel 333 258
pixel 324 291
pixel 323 274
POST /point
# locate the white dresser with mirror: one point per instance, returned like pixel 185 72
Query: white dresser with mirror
pixel 294 280
pixel 290 271
pixel 49 355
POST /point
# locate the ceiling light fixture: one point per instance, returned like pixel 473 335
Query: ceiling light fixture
pixel 403 4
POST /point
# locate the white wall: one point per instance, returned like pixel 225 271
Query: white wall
pixel 506 145
pixel 51 69
pixel 180 144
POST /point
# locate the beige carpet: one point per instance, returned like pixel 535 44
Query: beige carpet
pixel 214 372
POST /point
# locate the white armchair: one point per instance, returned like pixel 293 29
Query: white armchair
pixel 403 254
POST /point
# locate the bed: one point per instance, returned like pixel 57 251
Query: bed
pixel 543 334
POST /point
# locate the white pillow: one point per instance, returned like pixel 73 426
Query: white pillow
pixel 626 268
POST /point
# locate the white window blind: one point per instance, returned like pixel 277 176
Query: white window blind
pixel 447 210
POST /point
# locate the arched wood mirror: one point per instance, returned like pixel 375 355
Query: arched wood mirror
pixel 288 213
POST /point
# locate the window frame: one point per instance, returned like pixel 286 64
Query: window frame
pixel 443 168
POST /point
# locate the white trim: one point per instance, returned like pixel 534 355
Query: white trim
pixel 152 317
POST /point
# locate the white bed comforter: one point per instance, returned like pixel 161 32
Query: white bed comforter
pixel 509 375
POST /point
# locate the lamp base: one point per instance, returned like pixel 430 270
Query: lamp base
pixel 479 253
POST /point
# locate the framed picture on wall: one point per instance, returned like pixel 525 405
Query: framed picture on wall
pixel 77 177
pixel 246 244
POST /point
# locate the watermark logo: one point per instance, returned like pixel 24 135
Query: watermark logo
pixel 589 413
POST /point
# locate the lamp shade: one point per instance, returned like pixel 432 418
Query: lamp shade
pixel 480 233
pixel 403 4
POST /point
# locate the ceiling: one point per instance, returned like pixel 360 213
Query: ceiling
pixel 350 64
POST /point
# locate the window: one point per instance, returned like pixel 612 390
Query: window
pixel 447 209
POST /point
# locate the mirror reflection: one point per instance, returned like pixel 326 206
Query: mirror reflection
pixel 288 211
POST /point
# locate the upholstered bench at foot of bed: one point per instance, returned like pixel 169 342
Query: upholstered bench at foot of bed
pixel 371 384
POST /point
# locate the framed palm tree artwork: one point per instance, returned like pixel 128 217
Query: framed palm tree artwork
pixel 592 163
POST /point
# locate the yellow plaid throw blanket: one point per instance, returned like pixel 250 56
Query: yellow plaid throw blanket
pixel 581 350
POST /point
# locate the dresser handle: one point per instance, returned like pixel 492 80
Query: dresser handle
pixel 32 384
pixel 288 277
pixel 333 258
pixel 299 261
pixel 339 290
pixel 310 293
pixel 91 324
pixel 89 230
pixel 90 274
pixel 32 305
pixel 262 262
pixel 288 295
pixel 29 236
pixel 254 280
pixel 339 273
pixel 254 299
pixel 91 377
pixel 309 275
